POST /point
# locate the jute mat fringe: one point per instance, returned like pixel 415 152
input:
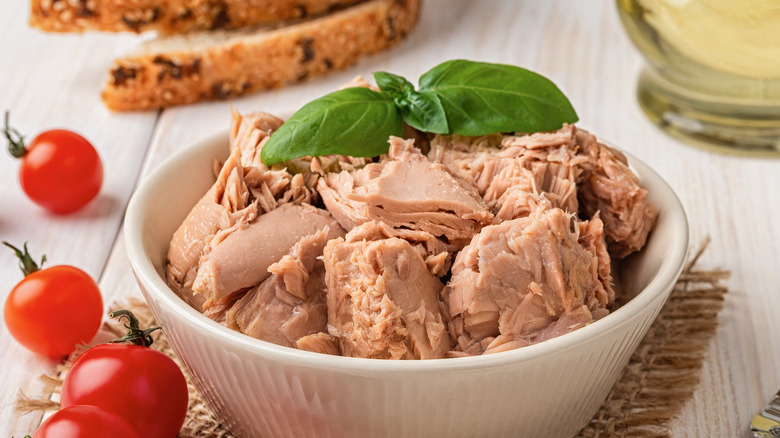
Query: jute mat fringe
pixel 657 382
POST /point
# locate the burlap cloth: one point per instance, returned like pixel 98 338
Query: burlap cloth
pixel 658 380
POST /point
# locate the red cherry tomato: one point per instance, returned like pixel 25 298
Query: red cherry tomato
pixel 85 422
pixel 61 170
pixel 52 310
pixel 142 385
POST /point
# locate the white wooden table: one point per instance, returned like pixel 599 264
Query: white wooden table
pixel 50 80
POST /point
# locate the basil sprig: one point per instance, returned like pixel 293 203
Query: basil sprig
pixel 420 109
pixel 353 121
pixel 456 97
pixel 480 98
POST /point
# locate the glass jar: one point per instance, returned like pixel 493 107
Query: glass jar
pixel 712 75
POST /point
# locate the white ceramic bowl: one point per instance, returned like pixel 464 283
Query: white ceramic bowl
pixel 260 389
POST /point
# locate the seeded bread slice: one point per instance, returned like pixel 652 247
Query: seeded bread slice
pixel 223 64
pixel 169 16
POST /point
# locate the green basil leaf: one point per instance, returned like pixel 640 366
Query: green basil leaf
pixel 420 110
pixel 482 98
pixel 393 85
pixel 353 121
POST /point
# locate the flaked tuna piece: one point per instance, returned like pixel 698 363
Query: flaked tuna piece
pixel 494 173
pixel 577 318
pixel 290 303
pixel 358 81
pixel 270 186
pixel 520 200
pixel 436 253
pixel 382 300
pixel 523 279
pixel 553 146
pixel 515 191
pixel 605 183
pixel 334 163
pixel 569 167
pixel 553 161
pixel 249 133
pixel 241 258
pixel 224 207
pixel 558 183
pixel 319 343
pixel 218 311
pixel 306 173
pixel 281 183
pixel 461 143
pixel 509 190
pixel 405 191
pixel 611 188
pixel 267 186
pixel 472 160
pixel 592 238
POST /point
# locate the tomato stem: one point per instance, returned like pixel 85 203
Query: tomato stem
pixel 15 139
pixel 26 262
pixel 134 334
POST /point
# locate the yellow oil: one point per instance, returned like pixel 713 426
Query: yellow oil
pixel 713 68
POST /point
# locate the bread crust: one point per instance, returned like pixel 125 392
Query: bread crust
pixel 170 16
pixel 244 63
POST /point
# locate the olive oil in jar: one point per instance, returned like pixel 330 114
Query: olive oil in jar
pixel 713 69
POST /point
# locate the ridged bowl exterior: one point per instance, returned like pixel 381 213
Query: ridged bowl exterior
pixel 259 389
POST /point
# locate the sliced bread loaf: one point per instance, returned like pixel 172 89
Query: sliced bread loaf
pixel 169 16
pixel 222 64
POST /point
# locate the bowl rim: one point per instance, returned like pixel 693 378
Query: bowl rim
pixel 659 287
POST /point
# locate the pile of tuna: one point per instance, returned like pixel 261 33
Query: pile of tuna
pixel 478 245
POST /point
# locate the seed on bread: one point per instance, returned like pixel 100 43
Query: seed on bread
pixel 135 20
pixel 121 74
